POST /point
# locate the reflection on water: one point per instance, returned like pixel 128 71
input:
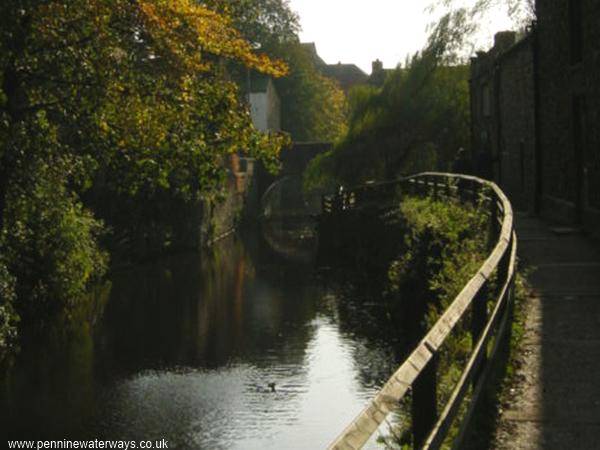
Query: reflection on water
pixel 187 350
pixel 288 219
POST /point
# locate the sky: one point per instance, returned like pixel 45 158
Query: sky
pixel 360 31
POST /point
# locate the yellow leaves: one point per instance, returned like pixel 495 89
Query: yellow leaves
pixel 182 29
pixel 137 123
pixel 182 33
pixel 126 73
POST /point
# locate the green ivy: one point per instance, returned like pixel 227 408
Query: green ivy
pixel 8 317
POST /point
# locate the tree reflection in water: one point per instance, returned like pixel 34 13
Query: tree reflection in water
pixel 185 350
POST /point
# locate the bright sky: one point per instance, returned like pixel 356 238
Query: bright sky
pixel 360 31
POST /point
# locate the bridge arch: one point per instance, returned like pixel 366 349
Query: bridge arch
pixel 294 161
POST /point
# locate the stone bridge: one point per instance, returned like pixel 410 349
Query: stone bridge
pixel 294 160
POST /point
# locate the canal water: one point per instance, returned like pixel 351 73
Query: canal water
pixel 235 349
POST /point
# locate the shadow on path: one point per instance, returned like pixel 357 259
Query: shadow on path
pixel 556 403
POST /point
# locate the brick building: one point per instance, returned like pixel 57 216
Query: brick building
pixel 535 105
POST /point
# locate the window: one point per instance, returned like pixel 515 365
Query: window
pixel 486 108
pixel 575 31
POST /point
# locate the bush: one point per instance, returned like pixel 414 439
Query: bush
pixel 446 241
pixel 8 317
pixel 50 240
pixel 319 174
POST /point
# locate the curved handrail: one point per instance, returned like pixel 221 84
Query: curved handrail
pixel 502 260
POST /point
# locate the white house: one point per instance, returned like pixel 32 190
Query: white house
pixel 264 103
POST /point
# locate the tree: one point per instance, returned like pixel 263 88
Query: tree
pixel 262 22
pixel 416 121
pixel 454 34
pixel 127 92
pixel 312 105
pixel 420 117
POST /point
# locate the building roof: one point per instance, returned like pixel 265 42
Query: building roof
pixel 311 49
pixel 347 75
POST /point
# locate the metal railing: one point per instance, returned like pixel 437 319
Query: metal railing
pixel 486 322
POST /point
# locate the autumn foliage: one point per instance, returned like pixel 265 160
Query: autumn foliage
pixel 126 96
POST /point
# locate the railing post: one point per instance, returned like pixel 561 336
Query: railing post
pixel 478 320
pixel 475 192
pixel 424 402
pixel 494 217
pixel 463 188
pixel 503 265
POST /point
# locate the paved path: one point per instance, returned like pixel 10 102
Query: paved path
pixel 556 403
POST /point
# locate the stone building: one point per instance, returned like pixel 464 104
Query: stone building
pixel 503 117
pixel 535 106
pixel 569 108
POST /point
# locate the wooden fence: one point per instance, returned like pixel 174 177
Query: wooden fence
pixel 430 427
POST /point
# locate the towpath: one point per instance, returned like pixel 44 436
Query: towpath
pixel 555 403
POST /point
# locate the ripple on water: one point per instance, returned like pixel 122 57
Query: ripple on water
pixel 218 349
pixel 234 406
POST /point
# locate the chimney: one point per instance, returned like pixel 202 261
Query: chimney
pixel 376 66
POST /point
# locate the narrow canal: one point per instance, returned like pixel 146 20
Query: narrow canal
pixel 236 349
